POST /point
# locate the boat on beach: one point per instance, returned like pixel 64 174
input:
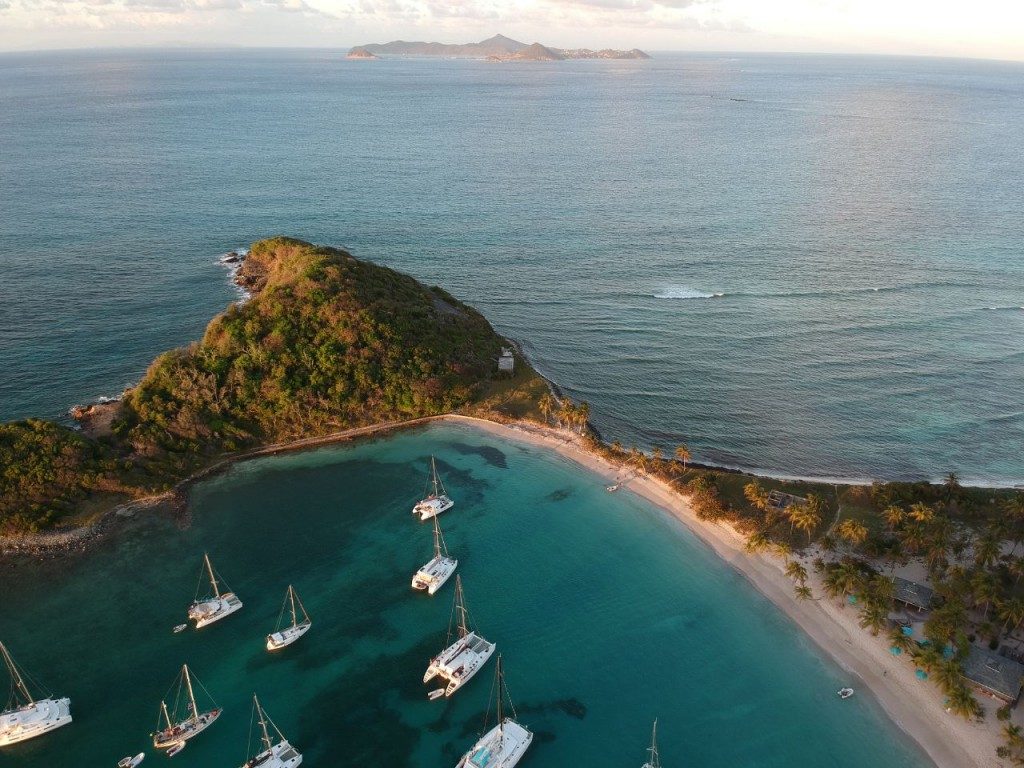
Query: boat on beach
pixel 26 717
pixel 279 755
pixel 436 501
pixel 215 606
pixel 461 660
pixel 432 576
pixel 183 723
pixel 505 744
pixel 655 760
pixel 280 638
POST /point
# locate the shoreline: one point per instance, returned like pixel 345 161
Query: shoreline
pixel 915 707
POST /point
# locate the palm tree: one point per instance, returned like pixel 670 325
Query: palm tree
pixel 546 405
pixel 899 640
pixel 583 415
pixel 656 458
pixel 803 592
pixel 683 454
pixel 893 515
pixel 987 550
pixel 1011 612
pixel 952 483
pixel 986 590
pixel 963 703
pixel 796 571
pixel 806 519
pixel 757 541
pixel 948 675
pixel 853 531
pixel 873 616
pixel 921 512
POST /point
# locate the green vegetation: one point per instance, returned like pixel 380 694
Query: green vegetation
pixel 327 343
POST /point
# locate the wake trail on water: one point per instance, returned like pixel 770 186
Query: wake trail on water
pixel 676 291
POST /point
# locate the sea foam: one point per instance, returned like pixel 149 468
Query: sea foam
pixel 684 292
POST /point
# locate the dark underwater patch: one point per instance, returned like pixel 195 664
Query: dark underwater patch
pixel 490 454
pixel 560 494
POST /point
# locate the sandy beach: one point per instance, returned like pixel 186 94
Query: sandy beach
pixel 915 706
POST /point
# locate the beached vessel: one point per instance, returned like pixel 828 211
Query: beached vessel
pixel 432 576
pixel 217 604
pixel 505 744
pixel 654 761
pixel 436 500
pixel 462 659
pixel 26 717
pixel 184 721
pixel 280 638
pixel 279 755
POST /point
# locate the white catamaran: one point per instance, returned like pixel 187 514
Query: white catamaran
pixel 279 755
pixel 282 637
pixel 217 604
pixel 505 744
pixel 655 761
pixel 434 574
pixel 437 500
pixel 25 717
pixel 462 659
pixel 183 720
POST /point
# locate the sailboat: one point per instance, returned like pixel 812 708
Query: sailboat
pixel 655 761
pixel 217 604
pixel 183 725
pixel 437 500
pixel 505 744
pixel 282 637
pixel 25 717
pixel 279 755
pixel 434 574
pixel 457 663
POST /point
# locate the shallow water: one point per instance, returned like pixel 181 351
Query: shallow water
pixel 861 216
pixel 607 611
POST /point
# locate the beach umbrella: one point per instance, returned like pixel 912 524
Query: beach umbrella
pixel 851 599
pixel 908 631
pixel 921 674
pixel 895 650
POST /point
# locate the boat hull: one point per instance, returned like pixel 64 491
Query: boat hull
pixel 169 737
pixel 281 755
pixel 286 637
pixel 432 506
pixel 500 747
pixel 458 663
pixel 207 612
pixel 432 576
pixel 34 720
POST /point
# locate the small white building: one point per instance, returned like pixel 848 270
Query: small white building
pixel 507 361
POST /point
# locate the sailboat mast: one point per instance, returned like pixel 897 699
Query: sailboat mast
pixel 433 469
pixel 263 723
pixel 501 694
pixel 460 607
pixel 295 621
pixel 437 538
pixel 191 695
pixel 15 675
pixel 167 715
pixel 655 762
pixel 213 579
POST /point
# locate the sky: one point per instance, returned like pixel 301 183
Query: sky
pixel 991 29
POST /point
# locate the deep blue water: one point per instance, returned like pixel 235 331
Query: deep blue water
pixel 607 612
pixel 862 217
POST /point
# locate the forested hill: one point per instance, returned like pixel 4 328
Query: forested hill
pixel 326 342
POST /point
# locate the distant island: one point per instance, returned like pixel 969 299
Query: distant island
pixel 497 48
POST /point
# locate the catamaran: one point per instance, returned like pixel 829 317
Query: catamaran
pixel 505 744
pixel 282 637
pixel 183 722
pixel 25 717
pixel 217 604
pixel 462 659
pixel 434 574
pixel 279 755
pixel 437 500
pixel 655 761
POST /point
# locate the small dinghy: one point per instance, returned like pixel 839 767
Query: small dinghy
pixel 131 762
pixel 175 748
pixel 437 693
pixel 283 637
pixel 844 693
pixel 180 628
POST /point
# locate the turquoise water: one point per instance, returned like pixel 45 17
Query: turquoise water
pixel 860 215
pixel 608 614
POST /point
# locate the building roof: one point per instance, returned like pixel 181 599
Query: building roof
pixel 912 593
pixel 996 674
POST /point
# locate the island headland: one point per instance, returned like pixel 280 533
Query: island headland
pixel 497 48
pixel 329 347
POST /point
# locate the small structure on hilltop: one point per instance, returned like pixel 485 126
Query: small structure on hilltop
pixel 996 675
pixel 507 361
pixel 778 500
pixel 912 594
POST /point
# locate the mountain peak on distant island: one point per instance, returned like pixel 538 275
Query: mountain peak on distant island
pixel 496 48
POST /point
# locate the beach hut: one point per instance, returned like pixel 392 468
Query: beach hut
pixel 996 675
pixel 507 361
pixel 912 594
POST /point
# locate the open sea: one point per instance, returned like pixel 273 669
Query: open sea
pixel 809 265
pixel 608 614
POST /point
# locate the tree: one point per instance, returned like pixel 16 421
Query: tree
pixel 893 515
pixel 873 616
pixel 683 454
pixel 963 703
pixel 853 531
pixel 804 517
pixel 796 571
pixel 803 592
pixel 582 416
pixel 952 483
pixel 546 404
pixel 1011 613
pixel 897 639
pixel 921 512
pixel 756 495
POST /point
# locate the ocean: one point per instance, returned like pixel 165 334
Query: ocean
pixel 608 614
pixel 806 265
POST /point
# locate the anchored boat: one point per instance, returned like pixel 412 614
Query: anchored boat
pixel 282 637
pixel 655 761
pixel 432 576
pixel 183 722
pixel 505 744
pixel 217 604
pixel 457 663
pixel 279 755
pixel 437 500
pixel 131 762
pixel 26 717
